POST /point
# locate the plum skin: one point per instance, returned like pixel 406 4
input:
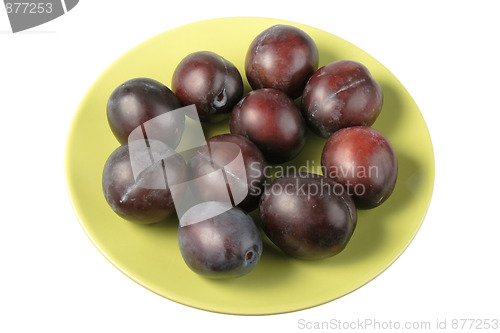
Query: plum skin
pixel 227 245
pixel 304 224
pixel 282 57
pixel 138 100
pixel 210 82
pixel 133 200
pixel 361 157
pixel 341 94
pixel 208 160
pixel 270 119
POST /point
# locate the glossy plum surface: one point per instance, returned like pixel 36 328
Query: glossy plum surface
pixel 270 119
pixel 281 57
pixel 215 156
pixel 219 241
pixel 139 100
pixel 307 216
pixel 210 82
pixel 341 94
pixel 146 198
pixel 363 160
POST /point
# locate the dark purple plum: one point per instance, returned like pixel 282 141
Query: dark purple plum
pixel 270 119
pixel 220 153
pixel 307 216
pixel 282 57
pixel 363 160
pixel 333 187
pixel 341 94
pixel 144 197
pixel 219 241
pixel 139 100
pixel 210 82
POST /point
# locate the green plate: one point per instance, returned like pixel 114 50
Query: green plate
pixel 149 254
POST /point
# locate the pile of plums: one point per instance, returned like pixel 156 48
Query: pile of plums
pixel 306 215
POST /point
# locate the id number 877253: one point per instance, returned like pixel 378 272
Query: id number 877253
pixel 28 7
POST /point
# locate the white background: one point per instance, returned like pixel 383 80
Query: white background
pixel 446 54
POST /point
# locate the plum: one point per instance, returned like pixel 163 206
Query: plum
pixel 341 94
pixel 270 119
pixel 307 216
pixel 217 240
pixel 139 100
pixel 282 57
pixel 363 160
pixel 219 153
pixel 210 82
pixel 144 197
